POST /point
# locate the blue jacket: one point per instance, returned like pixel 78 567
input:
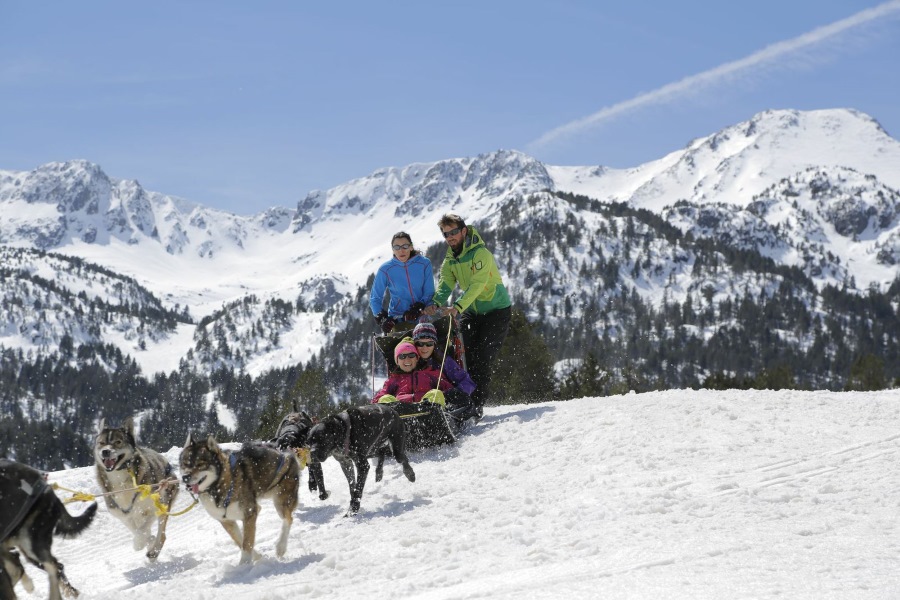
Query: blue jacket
pixel 408 283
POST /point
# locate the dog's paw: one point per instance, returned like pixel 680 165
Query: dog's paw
pixel 324 495
pixel 379 473
pixel 408 471
pixel 354 509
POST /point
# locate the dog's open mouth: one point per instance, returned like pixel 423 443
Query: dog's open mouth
pixel 195 487
pixel 110 463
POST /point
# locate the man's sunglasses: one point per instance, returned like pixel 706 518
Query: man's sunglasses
pixel 424 344
pixel 401 246
pixel 450 232
pixel 407 355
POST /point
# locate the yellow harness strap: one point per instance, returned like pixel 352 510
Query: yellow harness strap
pixel 302 457
pixel 144 490
pixel 76 496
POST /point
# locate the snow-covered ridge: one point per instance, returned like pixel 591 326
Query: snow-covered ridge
pixel 815 190
pixel 62 204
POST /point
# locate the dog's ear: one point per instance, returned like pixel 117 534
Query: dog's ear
pixel 211 443
pixel 101 426
pixel 190 439
pixel 128 424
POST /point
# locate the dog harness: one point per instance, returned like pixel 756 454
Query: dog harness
pixel 132 465
pixel 345 417
pixel 27 492
pixel 232 463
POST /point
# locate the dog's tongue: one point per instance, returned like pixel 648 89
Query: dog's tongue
pixel 195 488
pixel 109 463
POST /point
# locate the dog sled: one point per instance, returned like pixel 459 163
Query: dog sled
pixel 427 423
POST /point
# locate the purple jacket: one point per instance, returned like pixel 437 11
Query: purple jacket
pixel 452 372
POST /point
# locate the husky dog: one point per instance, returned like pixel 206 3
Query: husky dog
pixel 231 484
pixel 354 435
pixel 291 435
pixel 121 464
pixel 30 514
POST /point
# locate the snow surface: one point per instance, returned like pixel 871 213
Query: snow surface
pixel 676 494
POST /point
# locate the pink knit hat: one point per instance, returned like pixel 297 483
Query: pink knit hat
pixel 405 347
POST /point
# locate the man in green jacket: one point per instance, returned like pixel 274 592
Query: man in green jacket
pixel 484 307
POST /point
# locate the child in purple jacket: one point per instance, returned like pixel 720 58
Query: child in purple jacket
pixel 459 397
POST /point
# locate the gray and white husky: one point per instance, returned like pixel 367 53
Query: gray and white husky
pixel 121 464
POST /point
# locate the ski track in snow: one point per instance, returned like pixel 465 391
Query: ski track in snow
pixel 676 494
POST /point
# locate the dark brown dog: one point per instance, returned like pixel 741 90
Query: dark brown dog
pixel 291 435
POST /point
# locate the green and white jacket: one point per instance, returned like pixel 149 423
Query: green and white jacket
pixel 477 275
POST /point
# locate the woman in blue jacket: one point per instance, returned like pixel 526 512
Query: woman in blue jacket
pixel 409 278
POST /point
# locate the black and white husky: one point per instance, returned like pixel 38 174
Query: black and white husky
pixel 30 515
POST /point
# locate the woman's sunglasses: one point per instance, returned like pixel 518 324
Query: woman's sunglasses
pixel 407 355
pixel 401 246
pixel 424 344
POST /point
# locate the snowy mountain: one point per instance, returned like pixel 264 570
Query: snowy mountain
pixel 771 244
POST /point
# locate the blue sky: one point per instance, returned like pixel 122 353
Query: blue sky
pixel 243 107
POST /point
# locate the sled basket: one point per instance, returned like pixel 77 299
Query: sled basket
pixel 427 424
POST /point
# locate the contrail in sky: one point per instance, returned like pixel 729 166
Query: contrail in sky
pixel 691 84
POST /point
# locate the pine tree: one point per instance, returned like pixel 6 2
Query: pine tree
pixel 308 394
pixel 523 371
pixel 866 374
pixel 589 379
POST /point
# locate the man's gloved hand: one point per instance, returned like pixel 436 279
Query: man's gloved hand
pixel 388 325
pixel 414 312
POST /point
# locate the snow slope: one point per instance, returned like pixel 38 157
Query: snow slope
pixel 676 494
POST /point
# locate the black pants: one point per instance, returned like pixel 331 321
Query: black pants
pixel 483 337
pixel 456 398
